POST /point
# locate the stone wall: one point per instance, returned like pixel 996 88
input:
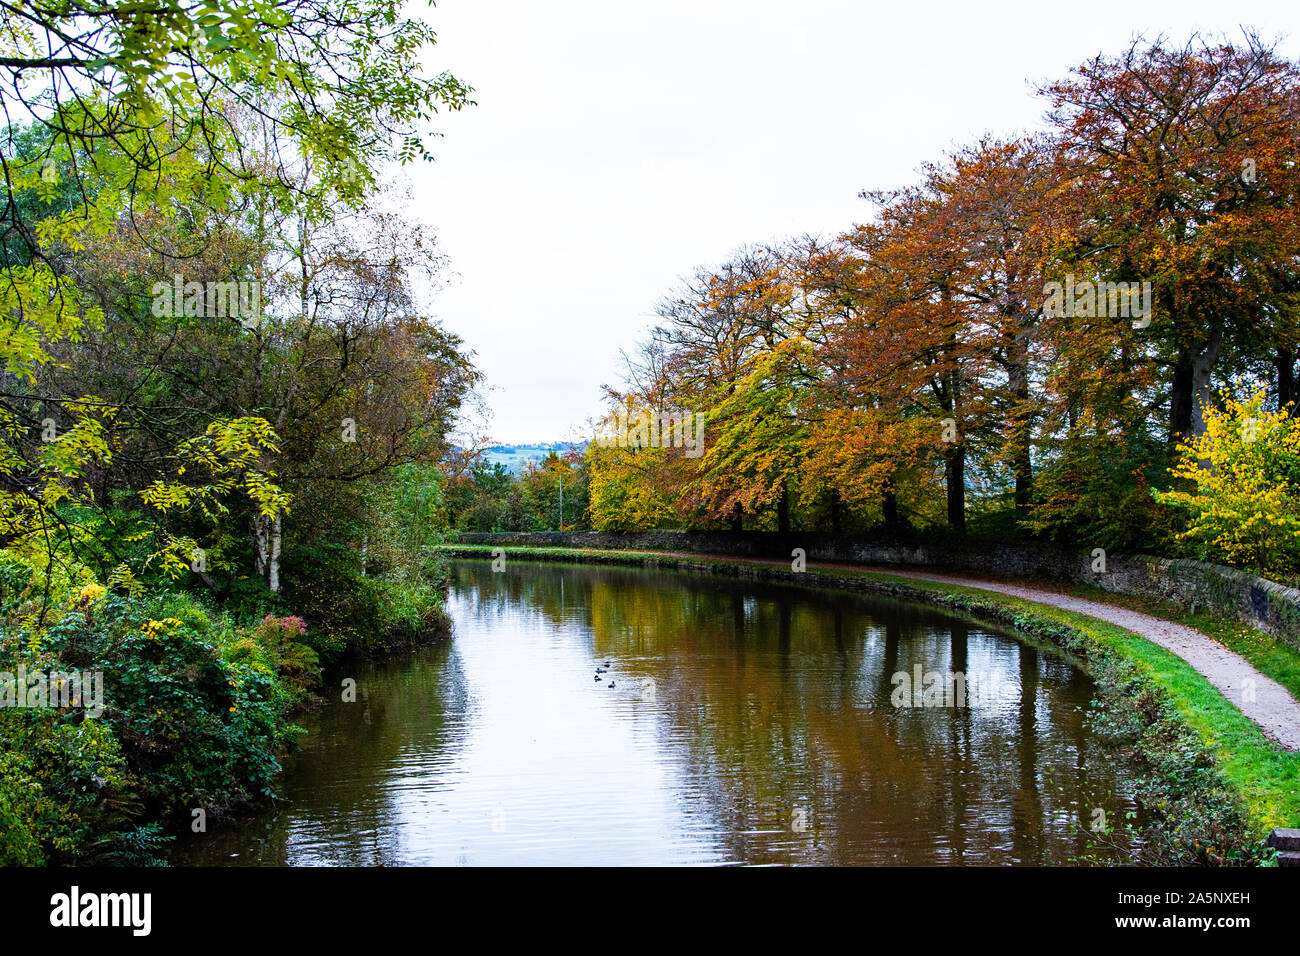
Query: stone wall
pixel 1264 604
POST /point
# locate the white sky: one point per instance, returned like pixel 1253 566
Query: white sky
pixel 616 146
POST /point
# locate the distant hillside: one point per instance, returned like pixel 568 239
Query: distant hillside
pixel 515 458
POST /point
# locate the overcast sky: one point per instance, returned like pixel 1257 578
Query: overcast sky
pixel 616 146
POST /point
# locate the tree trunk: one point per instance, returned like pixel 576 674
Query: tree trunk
pixel 954 468
pixel 835 511
pixel 889 507
pixel 273 565
pixel 1022 462
pixel 1286 393
pixel 954 463
pixel 738 518
pixel 1202 371
pixel 261 545
pixel 783 512
pixel 1191 396
pixel 1024 469
pixel 267 539
pixel 1180 398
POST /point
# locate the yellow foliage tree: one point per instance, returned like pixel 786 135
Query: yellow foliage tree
pixel 1245 467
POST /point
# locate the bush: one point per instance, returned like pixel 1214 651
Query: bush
pixel 1245 469
pixel 408 613
pixel 324 585
pixel 351 613
pixel 60 783
pixel 196 713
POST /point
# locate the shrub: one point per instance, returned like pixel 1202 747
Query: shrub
pixel 1245 469
pixel 196 712
pixel 349 612
pixel 60 783
pixel 407 613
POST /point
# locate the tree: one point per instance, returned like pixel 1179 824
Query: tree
pixel 139 117
pixel 555 492
pixel 1189 161
pixel 337 82
pixel 1245 471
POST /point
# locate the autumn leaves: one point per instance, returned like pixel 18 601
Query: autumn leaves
pixel 1018 342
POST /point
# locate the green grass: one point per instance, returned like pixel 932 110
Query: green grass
pixel 1262 775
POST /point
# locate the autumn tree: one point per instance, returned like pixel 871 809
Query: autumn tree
pixel 1188 156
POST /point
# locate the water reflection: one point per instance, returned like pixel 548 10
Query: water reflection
pixel 747 723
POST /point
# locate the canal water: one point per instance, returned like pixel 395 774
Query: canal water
pixel 732 722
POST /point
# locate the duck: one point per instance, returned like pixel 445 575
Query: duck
pixel 596 678
pixel 611 683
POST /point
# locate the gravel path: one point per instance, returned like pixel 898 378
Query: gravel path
pixel 1260 698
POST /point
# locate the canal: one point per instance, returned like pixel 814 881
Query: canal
pixel 731 721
